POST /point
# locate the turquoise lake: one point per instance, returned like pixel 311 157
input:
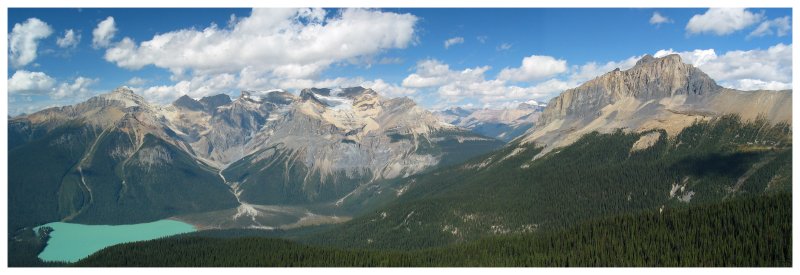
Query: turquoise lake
pixel 71 242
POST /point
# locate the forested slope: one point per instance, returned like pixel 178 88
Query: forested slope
pixel 753 231
pixel 599 175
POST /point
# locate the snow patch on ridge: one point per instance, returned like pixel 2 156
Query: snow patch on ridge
pixel 336 103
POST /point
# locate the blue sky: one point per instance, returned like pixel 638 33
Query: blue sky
pixel 496 58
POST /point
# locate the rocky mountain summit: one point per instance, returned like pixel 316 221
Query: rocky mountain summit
pixel 657 93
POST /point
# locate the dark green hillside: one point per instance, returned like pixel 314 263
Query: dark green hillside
pixel 46 184
pixel 156 182
pixel 36 175
pixel 754 231
pixel 597 176
pixel 454 151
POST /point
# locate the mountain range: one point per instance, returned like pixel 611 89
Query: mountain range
pixel 633 146
pixel 659 136
pixel 266 159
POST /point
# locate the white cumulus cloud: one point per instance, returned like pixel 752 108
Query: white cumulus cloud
pixel 781 25
pixel 26 82
pixel 103 33
pixel 453 86
pixel 534 67
pixel 722 21
pixel 432 73
pixel 291 42
pixel 658 19
pixel 755 69
pixel 767 66
pixel 69 40
pixel 453 41
pixel 38 83
pixel 78 88
pixel 24 40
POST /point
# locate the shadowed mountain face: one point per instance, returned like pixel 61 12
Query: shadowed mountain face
pixel 118 159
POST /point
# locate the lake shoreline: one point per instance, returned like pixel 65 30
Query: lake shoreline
pixel 70 242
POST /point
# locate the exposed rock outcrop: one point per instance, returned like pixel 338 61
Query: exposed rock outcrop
pixel 657 93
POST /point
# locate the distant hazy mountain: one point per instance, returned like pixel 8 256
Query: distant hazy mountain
pixel 504 124
pixel 220 162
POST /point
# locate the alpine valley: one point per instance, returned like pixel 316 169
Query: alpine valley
pixel 268 159
pixel 656 165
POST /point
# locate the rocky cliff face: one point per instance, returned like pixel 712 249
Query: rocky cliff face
pixel 219 131
pixel 662 93
pixel 650 78
pixel 333 143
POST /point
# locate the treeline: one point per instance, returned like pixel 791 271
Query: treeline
pixel 754 231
